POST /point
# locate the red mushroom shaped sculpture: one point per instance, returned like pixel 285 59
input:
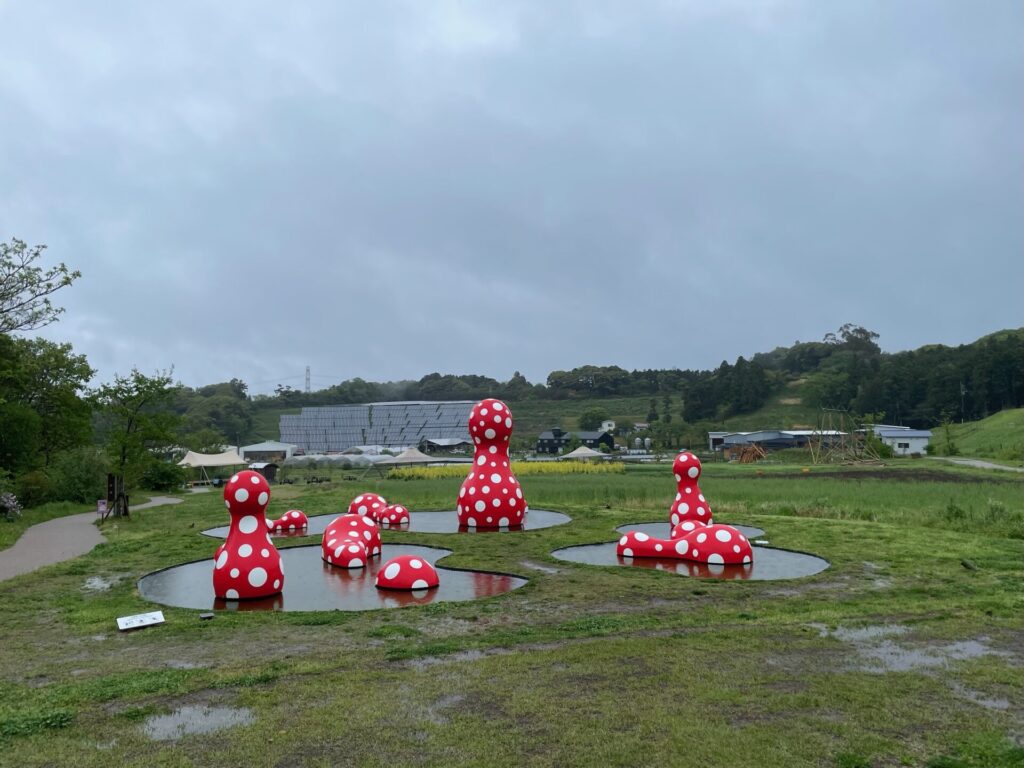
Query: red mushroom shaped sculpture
pixel 292 520
pixel 491 496
pixel 406 572
pixel 689 503
pixel 369 504
pixel 345 553
pixel 394 514
pixel 353 527
pixel 247 565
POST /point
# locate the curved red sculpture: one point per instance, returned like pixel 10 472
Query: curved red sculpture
pixel 345 553
pixel 689 503
pixel 717 545
pixel 491 497
pixel 406 572
pixel 394 514
pixel 681 529
pixel 369 504
pixel 357 527
pixel 247 565
pixel 292 520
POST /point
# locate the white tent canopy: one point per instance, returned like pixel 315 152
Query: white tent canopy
pixel 583 453
pixel 226 459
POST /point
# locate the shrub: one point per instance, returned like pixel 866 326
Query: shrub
pixel 79 475
pixel 9 507
pixel 34 488
pixel 163 476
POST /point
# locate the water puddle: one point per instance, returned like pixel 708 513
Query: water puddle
pixel 769 563
pixel 189 720
pixel 538 567
pixel 420 522
pixel 313 585
pixel 102 583
pixel 879 653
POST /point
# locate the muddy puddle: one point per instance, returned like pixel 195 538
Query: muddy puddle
pixel 878 651
pixel 190 720
pixel 769 564
pixel 420 522
pixel 312 585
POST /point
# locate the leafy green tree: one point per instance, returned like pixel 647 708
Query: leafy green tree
pixel 591 419
pixel 137 419
pixel 25 287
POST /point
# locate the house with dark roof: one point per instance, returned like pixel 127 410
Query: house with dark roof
pixel 554 440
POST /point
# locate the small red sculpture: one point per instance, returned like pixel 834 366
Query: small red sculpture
pixel 491 497
pixel 406 572
pixel 369 504
pixel 293 519
pixel 394 514
pixel 690 503
pixel 247 564
pixel 352 527
pixel 717 545
pixel 345 553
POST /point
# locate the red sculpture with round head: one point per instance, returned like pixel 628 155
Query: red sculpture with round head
pixel 352 527
pixel 406 572
pixel 247 565
pixel 491 497
pixel 689 503
pixel 369 504
pixel 344 553
pixel 292 520
pixel 394 514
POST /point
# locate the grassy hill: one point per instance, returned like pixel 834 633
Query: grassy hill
pixel 1000 436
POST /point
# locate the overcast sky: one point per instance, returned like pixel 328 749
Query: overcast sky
pixel 388 189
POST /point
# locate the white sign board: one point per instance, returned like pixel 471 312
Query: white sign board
pixel 140 620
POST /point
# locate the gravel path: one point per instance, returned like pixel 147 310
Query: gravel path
pixel 977 463
pixel 60 539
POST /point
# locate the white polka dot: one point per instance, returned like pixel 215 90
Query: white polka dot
pixel 258 577
pixel 723 535
pixel 362 510
pixel 355 562
pixel 231 594
pixel 716 559
pixel 684 508
pixel 266 552
pixel 493 449
pixel 245 550
pixel 486 489
pixel 481 506
pixel 696 553
pixel 234 573
pixel 693 471
pixel 746 558
pixel 700 511
pixel 415 563
pixel 419 584
pixel 222 558
pixel 277 583
pixel 483 411
pixel 483 459
pixel 736 548
pixel 355 549
pixel 688 490
pixel 248 524
pixel 681 547
pixel 471 522
pixel 641 536
pixel 498 406
pixel 675 519
pixel 496 502
pixel 701 538
pixel 511 501
pixel 519 493
pixel 263 498
pixel 622 541
pixel 508 423
pixel 489 434
pixel 503 522
pixel 678 478
pixel 392 571
pixel 234 478
pixel 255 479
pixel 700 497
pixel 627 552
pixel 462 492
pixel 241 495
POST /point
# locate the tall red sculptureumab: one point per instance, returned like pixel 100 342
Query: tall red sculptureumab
pixel 491 497
pixel 689 503
pixel 247 564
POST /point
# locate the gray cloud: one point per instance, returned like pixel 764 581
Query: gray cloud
pixel 383 190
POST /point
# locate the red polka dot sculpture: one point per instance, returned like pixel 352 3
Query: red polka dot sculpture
pixel 369 504
pixel 292 520
pixel 345 553
pixel 690 503
pixel 717 545
pixel 406 572
pixel 681 529
pixel 394 514
pixel 491 497
pixel 355 527
pixel 247 565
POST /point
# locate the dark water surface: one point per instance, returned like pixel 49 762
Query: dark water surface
pixel 310 584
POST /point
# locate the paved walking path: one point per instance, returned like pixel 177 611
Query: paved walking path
pixel 977 463
pixel 60 539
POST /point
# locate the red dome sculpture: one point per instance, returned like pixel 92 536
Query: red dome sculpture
pixel 345 553
pixel 491 497
pixel 247 564
pixel 716 545
pixel 406 572
pixel 394 514
pixel 369 504
pixel 689 503
pixel 292 520
pixel 681 529
pixel 353 527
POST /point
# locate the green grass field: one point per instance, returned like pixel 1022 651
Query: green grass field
pixel 908 650
pixel 1000 436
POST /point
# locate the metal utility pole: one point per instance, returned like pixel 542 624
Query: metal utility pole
pixel 307 379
